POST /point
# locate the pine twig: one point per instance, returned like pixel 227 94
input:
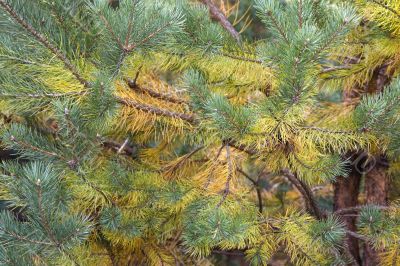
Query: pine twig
pixel 386 7
pixel 182 160
pixel 44 41
pixel 36 149
pixel 217 14
pixel 242 147
pixel 43 95
pixel 123 146
pixel 46 225
pixel 256 185
pixel 133 85
pixel 335 68
pixel 241 58
pixel 306 193
pixel 129 150
pixel 157 111
pixel 132 46
pixel 278 27
pixel 229 178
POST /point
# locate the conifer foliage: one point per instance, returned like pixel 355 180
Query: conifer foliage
pixel 145 134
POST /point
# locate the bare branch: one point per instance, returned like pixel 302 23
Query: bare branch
pixel 306 193
pixel 162 96
pixel 242 147
pixel 123 146
pixel 217 14
pixel 230 175
pixel 129 150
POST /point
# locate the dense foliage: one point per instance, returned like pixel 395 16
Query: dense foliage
pixel 144 133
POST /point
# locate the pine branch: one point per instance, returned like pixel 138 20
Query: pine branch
pixel 183 159
pixel 230 176
pixel 306 193
pixel 241 58
pixel 328 131
pixel 23 61
pixel 242 147
pixel 43 219
pixel 335 68
pixel 96 188
pixel 221 18
pixel 44 41
pixel 130 24
pixel 300 13
pixel 386 7
pixel 132 46
pixel 256 185
pixel 240 170
pixel 162 96
pixel 277 26
pixel 129 150
pixel 36 149
pixel 25 239
pixel 43 95
pixel 111 31
pixel 46 224
pixel 358 236
pixel 158 111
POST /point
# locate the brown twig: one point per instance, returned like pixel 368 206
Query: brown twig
pixel 217 14
pixel 133 85
pixel 129 150
pixel 241 58
pixel 305 192
pixel 230 176
pixel 242 147
pixel 157 111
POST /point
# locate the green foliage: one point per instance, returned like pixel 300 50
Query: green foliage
pixel 144 134
pixel 48 228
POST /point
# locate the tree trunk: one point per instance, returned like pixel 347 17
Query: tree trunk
pixel 376 192
pixel 346 190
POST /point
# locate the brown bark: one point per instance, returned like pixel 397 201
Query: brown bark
pixel 306 192
pixel 217 14
pixel 346 190
pixel 376 192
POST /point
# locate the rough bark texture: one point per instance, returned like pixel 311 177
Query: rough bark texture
pixel 376 192
pixel 346 190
